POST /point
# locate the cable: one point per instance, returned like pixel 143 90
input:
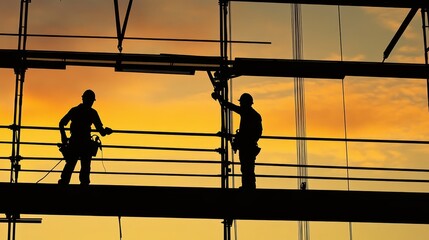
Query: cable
pixel 344 113
pixel 100 145
pixel 344 101
pixel 102 161
pixel 340 32
pixel 52 169
pixel 120 227
pixel 98 140
pixel 300 120
pixel 133 38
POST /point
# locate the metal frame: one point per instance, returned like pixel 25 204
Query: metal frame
pixel 356 3
pixel 223 70
pixel 20 70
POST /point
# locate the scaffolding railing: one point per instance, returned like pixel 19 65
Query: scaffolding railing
pixel 208 168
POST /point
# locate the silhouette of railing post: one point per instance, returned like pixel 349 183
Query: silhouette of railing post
pixel 222 78
pixel 20 70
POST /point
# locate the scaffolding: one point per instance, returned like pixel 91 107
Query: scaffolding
pixel 220 70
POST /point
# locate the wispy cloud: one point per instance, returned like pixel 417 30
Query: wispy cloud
pixel 391 19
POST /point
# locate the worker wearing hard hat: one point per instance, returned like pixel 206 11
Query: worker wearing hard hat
pixel 79 145
pixel 246 138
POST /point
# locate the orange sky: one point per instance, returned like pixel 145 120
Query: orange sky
pixel 375 108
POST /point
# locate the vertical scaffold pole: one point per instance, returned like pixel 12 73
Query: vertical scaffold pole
pixel 225 115
pixel 20 69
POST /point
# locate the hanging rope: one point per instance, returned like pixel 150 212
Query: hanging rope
pixel 120 227
pixel 300 121
pixel 299 93
pixel 344 99
pixel 343 89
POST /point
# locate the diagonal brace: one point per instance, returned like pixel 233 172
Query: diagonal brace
pixel 399 33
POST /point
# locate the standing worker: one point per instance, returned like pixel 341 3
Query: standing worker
pixel 80 145
pixel 246 139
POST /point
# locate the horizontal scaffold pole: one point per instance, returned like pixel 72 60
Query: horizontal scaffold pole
pixel 358 3
pixel 134 38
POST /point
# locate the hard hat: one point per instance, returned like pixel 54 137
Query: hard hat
pixel 246 98
pixel 89 94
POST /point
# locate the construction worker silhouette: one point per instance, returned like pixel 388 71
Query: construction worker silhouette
pixel 246 138
pixel 79 145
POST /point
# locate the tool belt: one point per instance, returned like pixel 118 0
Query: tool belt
pixel 90 147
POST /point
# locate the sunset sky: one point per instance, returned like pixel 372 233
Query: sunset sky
pixel 374 108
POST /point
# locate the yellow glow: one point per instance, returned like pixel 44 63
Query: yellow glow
pixel 375 108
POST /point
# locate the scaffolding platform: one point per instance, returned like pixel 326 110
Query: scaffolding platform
pixel 215 203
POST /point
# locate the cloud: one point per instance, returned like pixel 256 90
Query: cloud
pixel 390 108
pixel 175 19
pixel 337 57
pixel 391 19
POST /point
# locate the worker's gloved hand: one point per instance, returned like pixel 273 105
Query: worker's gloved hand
pixel 108 130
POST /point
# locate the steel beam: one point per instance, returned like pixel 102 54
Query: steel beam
pixel 358 3
pixel 207 203
pixel 122 62
pixel 239 67
pixel 326 69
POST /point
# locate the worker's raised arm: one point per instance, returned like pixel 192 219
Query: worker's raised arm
pixel 225 103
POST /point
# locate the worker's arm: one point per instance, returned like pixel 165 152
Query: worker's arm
pixel 63 122
pixel 225 103
pixel 99 126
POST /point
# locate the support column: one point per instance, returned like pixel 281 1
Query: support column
pixel 223 77
pixel 20 70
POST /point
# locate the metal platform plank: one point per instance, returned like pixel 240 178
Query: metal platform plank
pixel 209 203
